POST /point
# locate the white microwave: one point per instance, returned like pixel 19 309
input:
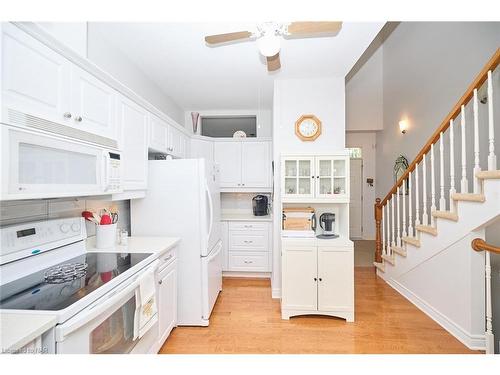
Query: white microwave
pixel 36 165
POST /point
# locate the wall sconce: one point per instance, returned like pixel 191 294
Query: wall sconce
pixel 403 126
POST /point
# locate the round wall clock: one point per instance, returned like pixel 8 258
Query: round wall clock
pixel 308 127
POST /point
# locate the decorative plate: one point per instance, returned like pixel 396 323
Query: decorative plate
pixel 239 134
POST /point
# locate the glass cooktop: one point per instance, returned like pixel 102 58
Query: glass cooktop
pixel 63 284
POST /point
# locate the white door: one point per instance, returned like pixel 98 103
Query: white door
pixel 356 199
pixel 228 156
pixel 299 280
pixel 335 278
pixel 255 164
pixel 167 301
pixel 93 104
pixel 159 134
pixel 35 79
pixel 133 121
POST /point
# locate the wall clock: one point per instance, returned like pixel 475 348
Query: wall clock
pixel 308 127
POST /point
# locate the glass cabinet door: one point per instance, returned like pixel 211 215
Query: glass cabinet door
pixel 298 177
pixel 330 177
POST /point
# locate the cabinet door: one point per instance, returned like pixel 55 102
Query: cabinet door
pixel 255 164
pixel 228 156
pixel 159 134
pixel 324 177
pixel 299 278
pixel 335 279
pixel 35 79
pixel 175 141
pixel 133 121
pixel 92 104
pixel 202 149
pixel 225 245
pixel 167 301
pixel 298 177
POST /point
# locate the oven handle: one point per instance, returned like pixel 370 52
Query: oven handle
pixel 99 307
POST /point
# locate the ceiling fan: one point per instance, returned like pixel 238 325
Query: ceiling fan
pixel 269 36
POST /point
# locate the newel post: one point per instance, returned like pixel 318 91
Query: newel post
pixel 378 234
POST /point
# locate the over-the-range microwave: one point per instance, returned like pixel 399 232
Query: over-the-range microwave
pixel 40 165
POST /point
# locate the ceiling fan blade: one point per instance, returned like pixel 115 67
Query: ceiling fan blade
pixel 304 28
pixel 229 37
pixel 273 62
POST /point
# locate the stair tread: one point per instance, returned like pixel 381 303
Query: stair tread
pixel 379 266
pixel 469 197
pixel 411 240
pixel 449 215
pixel 399 250
pixel 427 229
pixel 485 175
pixel 389 258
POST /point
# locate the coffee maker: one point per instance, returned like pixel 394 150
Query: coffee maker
pixel 327 223
pixel 260 205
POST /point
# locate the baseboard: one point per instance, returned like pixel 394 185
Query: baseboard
pixel 473 342
pixel 253 275
pixel 276 293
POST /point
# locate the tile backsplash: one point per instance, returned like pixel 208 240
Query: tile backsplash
pixel 16 212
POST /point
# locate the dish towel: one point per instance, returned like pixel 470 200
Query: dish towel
pixel 145 302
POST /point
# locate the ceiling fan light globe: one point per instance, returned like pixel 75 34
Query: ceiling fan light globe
pixel 269 45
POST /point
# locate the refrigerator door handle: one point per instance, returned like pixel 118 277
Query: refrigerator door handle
pixel 211 208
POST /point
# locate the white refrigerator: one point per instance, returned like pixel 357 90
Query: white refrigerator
pixel 183 200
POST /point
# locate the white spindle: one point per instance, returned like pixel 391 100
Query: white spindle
pixel 403 234
pixel 393 222
pixel 442 200
pixel 477 167
pixel 398 239
pixel 433 185
pixel 464 185
pixel 492 159
pixel 410 213
pixel 425 217
pixel 417 198
pixel 490 346
pixel 383 231
pixel 452 165
pixel 388 228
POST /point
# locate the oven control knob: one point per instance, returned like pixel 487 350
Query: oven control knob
pixel 75 227
pixel 64 227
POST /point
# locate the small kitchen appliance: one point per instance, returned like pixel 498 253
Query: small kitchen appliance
pixel 327 223
pixel 260 204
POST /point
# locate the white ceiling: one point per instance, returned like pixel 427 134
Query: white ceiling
pixel 233 76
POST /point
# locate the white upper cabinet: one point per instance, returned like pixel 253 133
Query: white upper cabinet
pixel 133 122
pixel 244 164
pixel 176 142
pixel 92 104
pixel 35 79
pixel 255 164
pixel 228 156
pixel 315 178
pixel 159 134
pixel 204 149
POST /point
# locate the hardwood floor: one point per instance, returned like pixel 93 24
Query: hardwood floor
pixel 247 320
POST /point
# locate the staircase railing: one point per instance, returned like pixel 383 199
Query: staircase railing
pixel 408 208
pixel 478 244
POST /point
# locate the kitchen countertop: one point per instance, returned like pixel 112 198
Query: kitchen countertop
pixel 19 329
pixel 136 244
pixel 233 216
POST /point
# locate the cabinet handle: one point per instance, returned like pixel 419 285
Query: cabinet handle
pixel 246 241
pixel 242 184
pixel 320 279
pixel 67 115
pixel 78 119
pixel 159 282
pixel 247 261
pixel 248 226
pixel 317 176
pixel 315 279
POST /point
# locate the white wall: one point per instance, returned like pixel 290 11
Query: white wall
pixel 264 119
pixel 323 97
pixel 114 62
pixel 427 66
pixel 72 34
pixel 367 142
pixel 364 96
pixel 492 236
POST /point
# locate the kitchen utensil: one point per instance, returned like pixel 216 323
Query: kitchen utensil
pixel 97 218
pixel 105 236
pixel 106 220
pixel 327 223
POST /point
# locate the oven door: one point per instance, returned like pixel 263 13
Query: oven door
pixel 106 326
pixel 35 165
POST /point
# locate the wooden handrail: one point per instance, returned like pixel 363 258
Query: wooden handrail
pixel 478 244
pixel 480 79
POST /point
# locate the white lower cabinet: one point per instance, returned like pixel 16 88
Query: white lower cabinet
pixel 317 280
pixel 248 246
pixel 167 301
